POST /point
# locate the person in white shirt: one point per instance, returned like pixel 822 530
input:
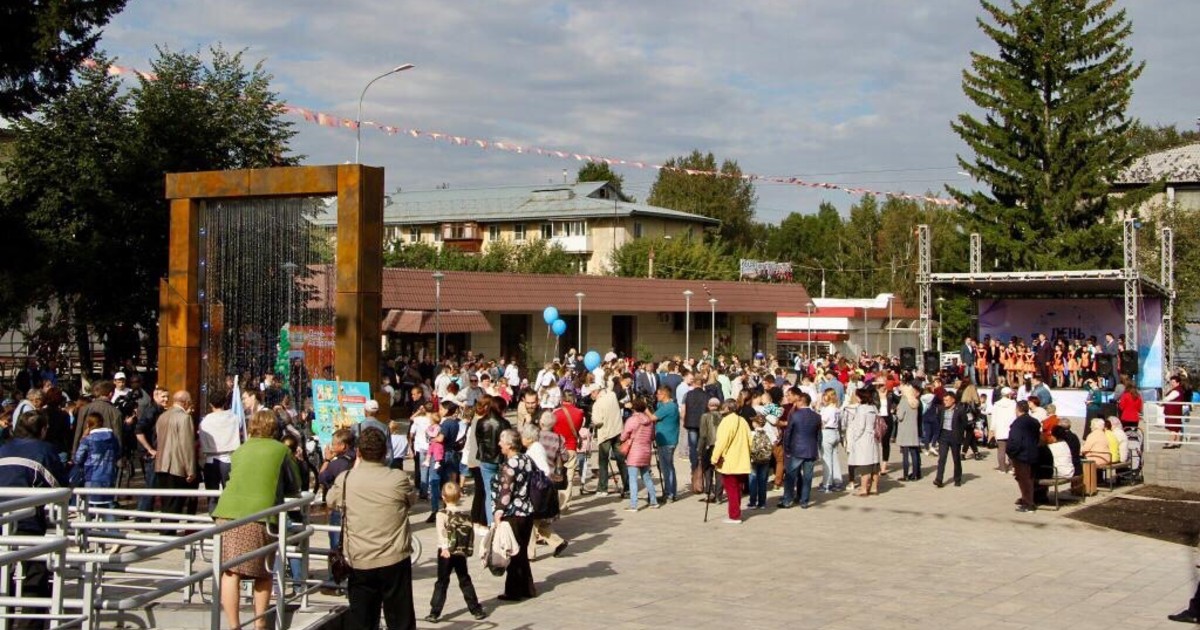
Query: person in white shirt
pixel 418 439
pixel 1004 411
pixel 442 382
pixel 684 388
pixel 119 388
pixel 220 435
pixel 513 375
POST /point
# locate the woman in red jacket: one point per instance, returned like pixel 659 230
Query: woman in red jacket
pixel 1130 404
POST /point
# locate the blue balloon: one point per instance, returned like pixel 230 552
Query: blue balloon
pixel 559 327
pixel 549 315
pixel 591 360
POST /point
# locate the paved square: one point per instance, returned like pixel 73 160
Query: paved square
pixel 913 557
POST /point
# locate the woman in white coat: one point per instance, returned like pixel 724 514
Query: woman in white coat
pixel 861 442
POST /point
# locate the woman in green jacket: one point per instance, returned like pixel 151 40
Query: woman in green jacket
pixel 263 472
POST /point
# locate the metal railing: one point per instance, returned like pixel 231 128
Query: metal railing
pixel 18 550
pixel 1155 421
pixel 101 572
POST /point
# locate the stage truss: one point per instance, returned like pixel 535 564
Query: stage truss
pixel 1127 282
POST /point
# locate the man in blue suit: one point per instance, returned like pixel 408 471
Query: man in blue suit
pixel 801 448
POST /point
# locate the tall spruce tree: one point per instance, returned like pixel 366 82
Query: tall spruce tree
pixel 1053 133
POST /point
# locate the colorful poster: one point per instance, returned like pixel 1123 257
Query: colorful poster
pixel 336 409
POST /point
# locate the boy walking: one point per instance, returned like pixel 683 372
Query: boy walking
pixel 456 537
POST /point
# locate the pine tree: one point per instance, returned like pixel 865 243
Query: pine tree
pixel 1052 135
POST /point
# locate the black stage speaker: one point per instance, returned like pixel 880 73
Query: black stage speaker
pixel 908 358
pixel 1104 365
pixel 933 362
pixel 1129 362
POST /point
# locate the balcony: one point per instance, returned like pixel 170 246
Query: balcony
pixel 465 237
pixel 573 244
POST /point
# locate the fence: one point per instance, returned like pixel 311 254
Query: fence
pixel 115 581
pixel 19 551
pixel 1172 457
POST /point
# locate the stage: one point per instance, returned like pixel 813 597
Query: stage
pixel 1068 403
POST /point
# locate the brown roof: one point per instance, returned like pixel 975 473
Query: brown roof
pixel 507 292
pixel 426 322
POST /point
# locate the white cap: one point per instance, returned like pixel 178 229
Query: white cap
pixel 371 406
pixel 119 376
pixel 1007 391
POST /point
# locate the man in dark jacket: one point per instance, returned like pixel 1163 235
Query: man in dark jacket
pixel 27 461
pixel 801 447
pixel 1023 438
pixel 952 425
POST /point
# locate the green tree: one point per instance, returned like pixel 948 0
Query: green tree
pixel 601 172
pixel 674 258
pixel 87 179
pixel 536 256
pixel 41 45
pixel 724 194
pixel 1146 139
pixel 1053 133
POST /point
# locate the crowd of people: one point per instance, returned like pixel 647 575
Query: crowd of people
pixel 479 433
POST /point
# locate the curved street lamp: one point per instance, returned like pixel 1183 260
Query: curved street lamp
pixel 358 119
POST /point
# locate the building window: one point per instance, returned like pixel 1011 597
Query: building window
pixel 414 235
pixel 458 231
pixel 637 229
pixel 519 232
pixel 571 228
pixel 547 230
pixel 437 233
pixel 493 232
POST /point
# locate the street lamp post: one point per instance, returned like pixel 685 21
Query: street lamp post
pixel 358 120
pixel 579 324
pixel 941 301
pixel 809 307
pixel 687 325
pixel 437 317
pixel 712 341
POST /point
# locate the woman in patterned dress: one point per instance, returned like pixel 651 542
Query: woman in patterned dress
pixel 513 505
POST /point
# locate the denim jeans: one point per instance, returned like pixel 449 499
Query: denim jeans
pixel 929 433
pixel 799 475
pixel 693 442
pixel 435 486
pixel 666 465
pixel 489 472
pixel 758 484
pixel 913 453
pixel 832 477
pixel 146 503
pixel 335 520
pixel 644 473
pixel 422 472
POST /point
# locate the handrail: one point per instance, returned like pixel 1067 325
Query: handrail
pixel 22 503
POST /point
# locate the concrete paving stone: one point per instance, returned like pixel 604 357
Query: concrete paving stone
pixel 913 557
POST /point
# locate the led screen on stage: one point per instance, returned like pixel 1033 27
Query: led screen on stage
pixel 1003 319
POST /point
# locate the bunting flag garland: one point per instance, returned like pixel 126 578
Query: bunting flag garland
pixel 329 120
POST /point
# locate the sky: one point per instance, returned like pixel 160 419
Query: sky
pixel 853 92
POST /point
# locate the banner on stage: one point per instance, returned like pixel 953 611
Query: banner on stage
pixel 334 409
pixel 1074 318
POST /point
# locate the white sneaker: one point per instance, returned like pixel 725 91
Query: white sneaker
pixel 631 509
pixel 731 521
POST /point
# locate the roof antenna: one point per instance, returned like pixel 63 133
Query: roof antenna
pixel 564 175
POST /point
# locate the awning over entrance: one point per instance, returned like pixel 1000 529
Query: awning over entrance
pixel 426 322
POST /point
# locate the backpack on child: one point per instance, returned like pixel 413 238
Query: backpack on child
pixel 460 533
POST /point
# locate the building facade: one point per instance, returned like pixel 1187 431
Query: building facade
pixel 588 219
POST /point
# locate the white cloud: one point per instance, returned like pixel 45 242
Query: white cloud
pixel 786 87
